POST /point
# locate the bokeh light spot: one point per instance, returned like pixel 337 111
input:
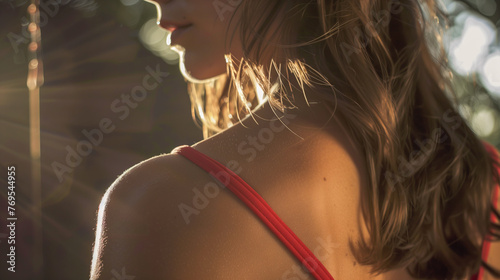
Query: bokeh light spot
pixel 468 50
pixel 483 122
pixel 490 74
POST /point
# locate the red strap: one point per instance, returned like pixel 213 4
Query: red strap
pixel 259 206
pixel 487 244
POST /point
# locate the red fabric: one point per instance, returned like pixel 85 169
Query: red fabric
pixel 259 206
pixel 487 244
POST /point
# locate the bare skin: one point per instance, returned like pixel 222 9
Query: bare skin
pixel 313 184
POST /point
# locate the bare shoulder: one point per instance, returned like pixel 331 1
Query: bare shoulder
pixel 136 215
pixel 155 179
pixel 149 174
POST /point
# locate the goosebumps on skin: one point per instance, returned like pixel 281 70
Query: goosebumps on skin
pixel 373 69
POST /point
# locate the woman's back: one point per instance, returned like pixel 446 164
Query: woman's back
pixel 317 197
pixel 202 231
pixel 198 229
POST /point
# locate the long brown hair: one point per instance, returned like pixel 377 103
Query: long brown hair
pixel 381 67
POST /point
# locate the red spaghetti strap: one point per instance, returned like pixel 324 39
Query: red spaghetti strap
pixel 487 244
pixel 260 207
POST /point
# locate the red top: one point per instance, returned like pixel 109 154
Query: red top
pixel 259 206
pixel 487 244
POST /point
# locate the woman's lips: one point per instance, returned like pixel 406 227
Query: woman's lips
pixel 176 35
pixel 176 30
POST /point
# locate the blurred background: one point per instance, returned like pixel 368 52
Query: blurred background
pixel 95 56
pixel 98 117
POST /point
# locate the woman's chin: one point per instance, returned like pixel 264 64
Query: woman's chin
pixel 200 72
pixel 195 76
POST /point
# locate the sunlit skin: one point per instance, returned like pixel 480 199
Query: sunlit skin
pixel 202 32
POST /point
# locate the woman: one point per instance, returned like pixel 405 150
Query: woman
pixel 333 144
